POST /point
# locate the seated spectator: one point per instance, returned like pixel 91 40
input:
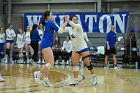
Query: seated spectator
pixel 56 49
pixel 66 50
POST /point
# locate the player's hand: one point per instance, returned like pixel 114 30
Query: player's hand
pixel 67 19
pixel 53 19
pixel 64 25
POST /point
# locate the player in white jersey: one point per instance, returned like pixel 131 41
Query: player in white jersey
pixel 20 44
pixel 2 41
pixel 27 43
pixel 10 35
pixel 79 48
pixel 41 33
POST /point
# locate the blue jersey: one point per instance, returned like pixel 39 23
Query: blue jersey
pixel 50 28
pixel 35 36
pixel 111 38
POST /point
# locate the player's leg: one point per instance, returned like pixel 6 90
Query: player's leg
pixel 27 52
pixel 7 51
pixel 49 62
pixel 76 68
pixel 11 51
pixel 89 66
pixel 21 54
pixel 39 54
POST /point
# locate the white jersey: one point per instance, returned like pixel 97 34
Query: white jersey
pixel 27 38
pixel 41 33
pixel 20 40
pixel 77 37
pixel 2 38
pixel 10 34
pixel 67 46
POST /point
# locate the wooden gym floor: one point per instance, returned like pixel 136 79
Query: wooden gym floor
pixel 19 79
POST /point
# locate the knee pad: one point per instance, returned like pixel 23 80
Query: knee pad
pixel 76 68
pixel 90 67
pixel 83 58
pixel 49 66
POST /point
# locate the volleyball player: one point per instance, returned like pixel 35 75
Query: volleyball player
pixel 2 44
pixel 20 44
pixel 10 35
pixel 47 41
pixel 79 49
pixel 41 33
pixel 35 38
pixel 2 41
pixel 28 47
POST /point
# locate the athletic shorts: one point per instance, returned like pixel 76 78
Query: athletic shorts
pixel 10 41
pixel 83 50
pixel 20 45
pixel 1 47
pixel 27 42
pixel 45 43
pixel 111 51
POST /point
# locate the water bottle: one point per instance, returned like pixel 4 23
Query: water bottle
pixel 136 65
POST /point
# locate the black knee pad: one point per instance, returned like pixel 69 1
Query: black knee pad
pixel 8 52
pixel 90 67
pixel 83 58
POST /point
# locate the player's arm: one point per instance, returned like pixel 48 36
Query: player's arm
pixel 63 46
pixel 54 25
pixel 63 28
pixel 13 33
pixel 17 41
pixel 8 34
pixel 86 38
pixel 77 26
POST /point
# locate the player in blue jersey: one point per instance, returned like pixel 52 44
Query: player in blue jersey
pixel 50 28
pixel 35 38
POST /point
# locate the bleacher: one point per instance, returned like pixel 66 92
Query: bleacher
pixel 99 39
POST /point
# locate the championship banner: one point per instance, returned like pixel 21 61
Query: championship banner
pixel 91 22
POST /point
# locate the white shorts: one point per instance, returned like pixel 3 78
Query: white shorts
pixel 27 42
pixel 20 45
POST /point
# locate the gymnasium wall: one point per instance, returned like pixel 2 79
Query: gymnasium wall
pixel 19 7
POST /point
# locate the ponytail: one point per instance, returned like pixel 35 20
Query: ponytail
pixel 46 14
pixel 43 21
